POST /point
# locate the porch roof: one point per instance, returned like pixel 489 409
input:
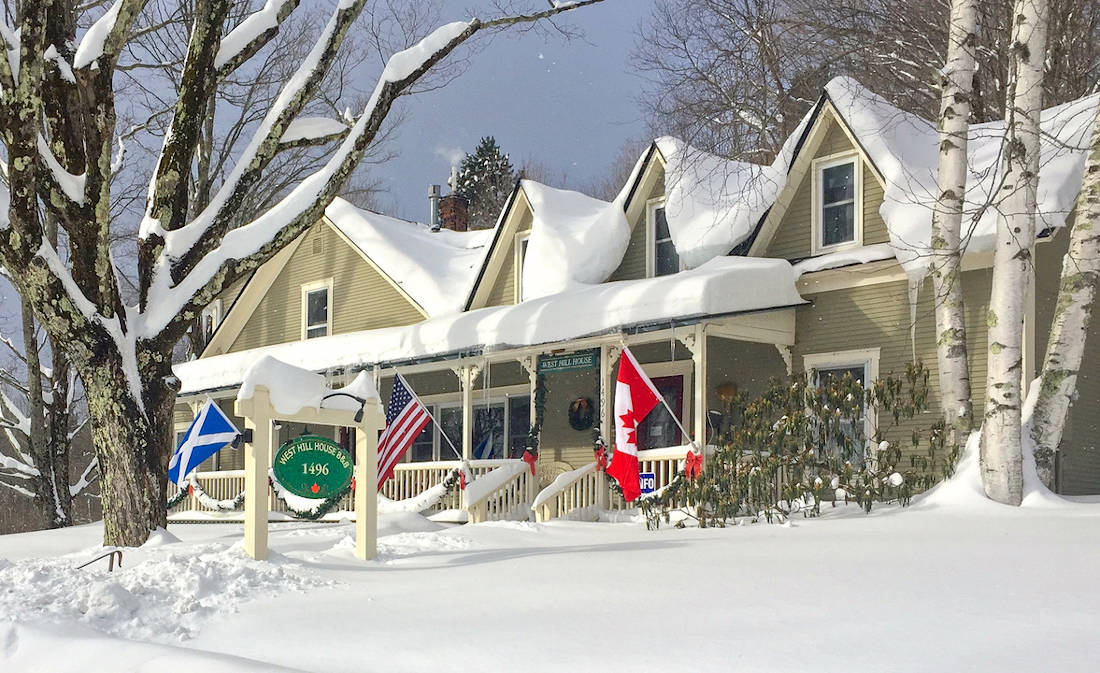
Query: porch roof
pixel 723 286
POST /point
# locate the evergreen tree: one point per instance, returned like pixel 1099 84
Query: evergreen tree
pixel 485 180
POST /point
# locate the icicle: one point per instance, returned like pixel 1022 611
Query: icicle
pixel 914 292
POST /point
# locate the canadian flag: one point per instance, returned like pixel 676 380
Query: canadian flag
pixel 635 397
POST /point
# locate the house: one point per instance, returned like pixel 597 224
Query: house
pixel 718 275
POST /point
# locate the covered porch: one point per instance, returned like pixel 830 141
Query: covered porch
pixel 487 401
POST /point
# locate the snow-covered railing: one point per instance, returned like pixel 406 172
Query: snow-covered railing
pixel 664 464
pixel 584 488
pixel 504 493
pixel 410 480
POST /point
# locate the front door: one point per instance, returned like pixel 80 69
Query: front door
pixel 659 430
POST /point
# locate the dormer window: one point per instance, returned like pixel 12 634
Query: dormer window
pixel 211 318
pixel 838 221
pixel 662 259
pixel 317 309
pixel 521 255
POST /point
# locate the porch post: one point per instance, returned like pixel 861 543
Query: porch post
pixel 257 460
pixel 467 376
pixel 366 483
pixel 530 364
pixel 699 401
pixel 609 355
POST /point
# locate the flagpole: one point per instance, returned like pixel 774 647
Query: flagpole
pixel 427 409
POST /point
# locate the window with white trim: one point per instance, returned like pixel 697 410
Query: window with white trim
pixel 211 318
pixel 521 254
pixel 837 207
pixel 862 365
pixel 662 258
pixel 317 309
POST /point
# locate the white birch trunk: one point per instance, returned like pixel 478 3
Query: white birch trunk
pixel 955 107
pixel 1066 346
pixel 1001 447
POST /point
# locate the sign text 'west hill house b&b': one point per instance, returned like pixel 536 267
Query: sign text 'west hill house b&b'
pixel 313 467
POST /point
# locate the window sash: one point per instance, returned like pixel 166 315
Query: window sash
pixel 838 202
pixel 317 313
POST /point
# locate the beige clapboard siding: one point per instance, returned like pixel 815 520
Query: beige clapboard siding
pixel 878 316
pixel 792 236
pixel 361 299
pixel 503 292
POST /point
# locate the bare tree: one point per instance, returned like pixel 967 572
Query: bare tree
pixel 1001 456
pixel 955 108
pixel 1057 381
pixel 121 350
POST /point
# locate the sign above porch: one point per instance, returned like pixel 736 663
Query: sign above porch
pixel 570 362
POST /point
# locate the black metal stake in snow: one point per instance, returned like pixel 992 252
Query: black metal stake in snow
pixel 111 560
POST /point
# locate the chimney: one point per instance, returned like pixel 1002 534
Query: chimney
pixel 433 200
pixel 453 213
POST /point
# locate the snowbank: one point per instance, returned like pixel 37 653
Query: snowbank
pixel 904 148
pixel 437 269
pixel 724 285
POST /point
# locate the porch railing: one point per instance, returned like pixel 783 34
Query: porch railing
pixel 576 493
pixel 502 494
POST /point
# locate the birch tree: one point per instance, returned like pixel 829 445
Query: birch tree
pixel 1073 313
pixel 64 164
pixel 1001 456
pixel 954 125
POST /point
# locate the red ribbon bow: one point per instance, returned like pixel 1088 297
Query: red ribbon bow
pixel 693 464
pixel 601 459
pixel 530 459
pixel 462 480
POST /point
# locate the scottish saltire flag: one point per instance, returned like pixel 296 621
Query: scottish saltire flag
pixel 405 418
pixel 208 433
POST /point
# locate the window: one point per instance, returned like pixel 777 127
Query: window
pixel 316 309
pixel 837 209
pixel 521 254
pixel 211 318
pixel 662 258
pixel 500 430
pixel 658 429
pixel 863 367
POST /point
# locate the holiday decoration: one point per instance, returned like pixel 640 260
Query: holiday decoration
pixel 530 458
pixel 581 413
pixel 693 464
pixel 601 458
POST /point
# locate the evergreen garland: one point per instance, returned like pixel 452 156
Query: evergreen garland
pixel 175 500
pixel 321 509
pixel 539 403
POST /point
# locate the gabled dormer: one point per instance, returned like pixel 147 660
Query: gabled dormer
pixel 830 201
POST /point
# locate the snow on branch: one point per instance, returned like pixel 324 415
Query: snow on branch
pixel 86 478
pixel 94 41
pixel 250 35
pixel 72 186
pixel 313 131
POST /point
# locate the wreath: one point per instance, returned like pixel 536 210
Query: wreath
pixel 582 413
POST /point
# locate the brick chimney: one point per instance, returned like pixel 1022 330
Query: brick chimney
pixel 453 213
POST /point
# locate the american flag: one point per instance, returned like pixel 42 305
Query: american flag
pixel 405 418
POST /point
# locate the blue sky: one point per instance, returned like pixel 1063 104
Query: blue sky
pixel 568 105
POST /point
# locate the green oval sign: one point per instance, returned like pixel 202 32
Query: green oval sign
pixel 312 467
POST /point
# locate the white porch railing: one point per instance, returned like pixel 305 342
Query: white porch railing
pixel 577 493
pixel 502 494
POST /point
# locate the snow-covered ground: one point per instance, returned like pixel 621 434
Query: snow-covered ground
pixel 941 586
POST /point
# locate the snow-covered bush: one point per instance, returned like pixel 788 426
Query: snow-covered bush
pixel 811 439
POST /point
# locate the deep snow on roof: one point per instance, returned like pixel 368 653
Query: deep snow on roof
pixel 437 269
pixel 904 148
pixel 724 285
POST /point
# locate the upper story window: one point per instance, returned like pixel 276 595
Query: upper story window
pixel 837 209
pixel 662 256
pixel 317 309
pixel 521 254
pixel 211 318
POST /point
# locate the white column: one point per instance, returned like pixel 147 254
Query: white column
pixel 366 483
pixel 609 355
pixel 531 366
pixel 467 376
pixel 699 402
pixel 257 460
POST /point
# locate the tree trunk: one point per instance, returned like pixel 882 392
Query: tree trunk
pixel 132 440
pixel 1066 346
pixel 1001 455
pixel 955 109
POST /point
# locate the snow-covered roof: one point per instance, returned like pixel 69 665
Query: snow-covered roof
pixel 904 149
pixel 722 286
pixel 292 389
pixel 575 239
pixel 437 269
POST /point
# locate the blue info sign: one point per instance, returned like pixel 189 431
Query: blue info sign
pixel 648 481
